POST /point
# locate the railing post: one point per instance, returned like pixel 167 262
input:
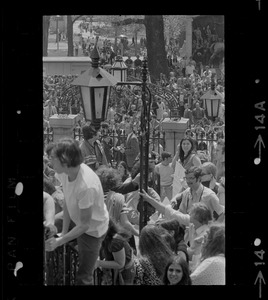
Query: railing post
pixel 64 264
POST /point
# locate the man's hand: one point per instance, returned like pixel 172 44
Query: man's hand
pixel 51 230
pixel 173 202
pixel 97 265
pixel 144 195
pixel 196 246
pixel 51 244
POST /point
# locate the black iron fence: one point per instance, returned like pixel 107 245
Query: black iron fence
pixel 60 265
pixel 48 135
pixel 117 138
pixel 157 140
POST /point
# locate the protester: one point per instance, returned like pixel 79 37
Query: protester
pixel 49 215
pixel 200 217
pixel 91 148
pixel 187 154
pixel 123 171
pixel 220 159
pixel 211 270
pixel 155 252
pixel 116 254
pixel 49 110
pixel 123 115
pixel 115 202
pixel 177 272
pixel 196 192
pixel 131 149
pixel 178 232
pixel 84 205
pixel 165 169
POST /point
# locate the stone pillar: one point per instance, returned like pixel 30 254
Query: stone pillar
pixel 189 37
pixel 63 126
pixel 174 132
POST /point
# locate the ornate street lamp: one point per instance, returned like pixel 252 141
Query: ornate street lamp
pixel 119 69
pixel 212 100
pixel 95 86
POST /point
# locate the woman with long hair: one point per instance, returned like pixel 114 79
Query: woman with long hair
pixel 186 156
pixel 123 171
pixel 211 270
pixel 177 272
pixel 154 253
pixel 186 153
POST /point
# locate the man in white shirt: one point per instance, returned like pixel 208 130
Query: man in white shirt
pixel 195 192
pixel 189 69
pixel 166 169
pixel 84 205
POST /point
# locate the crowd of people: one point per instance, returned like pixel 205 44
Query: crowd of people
pixel 96 203
pixel 92 195
pixel 207 50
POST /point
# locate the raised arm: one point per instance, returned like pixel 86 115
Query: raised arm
pixel 157 205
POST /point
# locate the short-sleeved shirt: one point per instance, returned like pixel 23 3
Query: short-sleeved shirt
pixel 206 195
pixel 203 194
pixel 116 245
pixel 84 192
pixel 165 173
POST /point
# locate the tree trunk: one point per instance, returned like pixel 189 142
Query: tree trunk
pixel 46 23
pixel 70 35
pixel 157 58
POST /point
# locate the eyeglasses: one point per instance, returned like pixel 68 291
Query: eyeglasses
pixel 189 178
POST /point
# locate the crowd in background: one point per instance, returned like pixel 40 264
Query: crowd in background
pixel 183 242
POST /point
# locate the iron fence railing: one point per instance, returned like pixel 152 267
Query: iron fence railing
pixel 48 136
pixel 61 265
pixel 157 139
pixel 119 137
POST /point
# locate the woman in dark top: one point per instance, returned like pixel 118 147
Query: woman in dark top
pixel 117 255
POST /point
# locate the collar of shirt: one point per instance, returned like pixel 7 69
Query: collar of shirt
pixel 197 193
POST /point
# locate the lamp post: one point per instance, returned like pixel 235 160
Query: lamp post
pixel 212 100
pixel 95 87
pixel 144 136
pixel 119 69
pixel 144 143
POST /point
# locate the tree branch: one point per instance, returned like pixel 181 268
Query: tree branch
pixel 127 22
pixel 76 18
